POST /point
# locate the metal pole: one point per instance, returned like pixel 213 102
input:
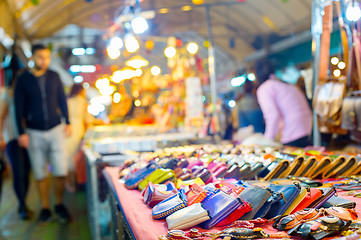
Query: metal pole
pixel 212 68
pixel 316 46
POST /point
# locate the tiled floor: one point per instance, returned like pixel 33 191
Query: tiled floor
pixel 13 228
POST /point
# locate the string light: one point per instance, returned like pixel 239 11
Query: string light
pixel 334 60
pixel 337 73
pixel 139 25
pixel 341 65
pixel 131 43
pixel 192 48
pixel 155 70
pixel 170 52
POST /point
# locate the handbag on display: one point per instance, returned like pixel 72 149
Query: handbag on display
pixel 336 201
pixel 257 197
pixel 182 163
pixel 296 163
pixel 187 217
pixel 194 162
pixel 202 173
pixel 219 207
pixel 255 170
pixel 275 169
pixel 233 172
pixel 133 179
pixel 282 198
pixel 326 195
pixel 168 163
pixel 236 214
pixel 183 173
pixel 211 191
pixel 195 194
pixel 215 165
pixel 220 172
pixel 348 167
pixel 296 201
pixel 197 181
pixel 154 193
pixel 336 166
pixel 351 114
pixel 159 176
pixel 320 167
pixel 312 195
pixel 170 205
pixel 327 103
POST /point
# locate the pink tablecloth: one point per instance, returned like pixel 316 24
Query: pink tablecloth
pixel 139 215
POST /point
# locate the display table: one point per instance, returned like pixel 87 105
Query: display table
pixel 107 145
pixel 138 216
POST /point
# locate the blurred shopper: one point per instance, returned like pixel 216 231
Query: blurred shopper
pixel 249 112
pixel 41 108
pixel 285 108
pixel 80 120
pixel 9 134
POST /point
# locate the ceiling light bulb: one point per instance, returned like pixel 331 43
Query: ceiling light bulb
pixel 192 48
pixel 341 65
pixel 117 97
pixel 78 79
pixel 137 103
pixel 155 70
pixel 251 76
pixel 337 73
pixel 137 62
pixel 131 43
pixel 138 72
pixel 353 13
pixel 170 52
pixel 113 52
pixel 116 42
pixel 232 104
pixel 334 60
pixel 139 25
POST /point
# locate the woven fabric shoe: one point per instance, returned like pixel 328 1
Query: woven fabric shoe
pixel 62 214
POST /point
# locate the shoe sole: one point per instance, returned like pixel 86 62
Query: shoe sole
pixel 50 219
pixel 62 220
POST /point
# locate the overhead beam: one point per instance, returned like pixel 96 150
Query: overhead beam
pixel 280 46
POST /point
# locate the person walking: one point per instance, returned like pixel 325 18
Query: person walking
pixel 17 155
pixel 41 109
pixel 80 120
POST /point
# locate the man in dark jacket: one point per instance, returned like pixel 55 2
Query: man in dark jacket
pixel 41 110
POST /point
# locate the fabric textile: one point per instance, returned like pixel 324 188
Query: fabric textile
pixel 47 146
pixel 20 165
pixel 77 108
pixel 40 101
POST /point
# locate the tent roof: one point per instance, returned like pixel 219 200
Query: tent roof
pixel 244 22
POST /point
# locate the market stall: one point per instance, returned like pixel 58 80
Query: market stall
pixel 111 146
pixel 134 215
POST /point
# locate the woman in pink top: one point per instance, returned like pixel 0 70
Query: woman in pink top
pixel 285 108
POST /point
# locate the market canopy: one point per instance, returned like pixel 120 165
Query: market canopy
pixel 239 27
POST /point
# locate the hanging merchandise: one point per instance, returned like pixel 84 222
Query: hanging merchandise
pixel 330 91
pixel 325 42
